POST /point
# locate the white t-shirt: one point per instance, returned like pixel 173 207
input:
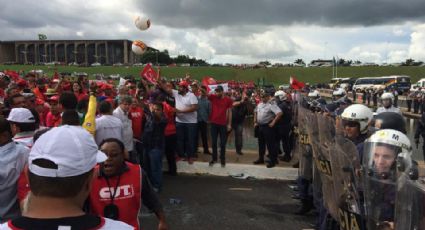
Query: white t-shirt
pixel 127 135
pixel 113 224
pixel 184 102
pixel 108 126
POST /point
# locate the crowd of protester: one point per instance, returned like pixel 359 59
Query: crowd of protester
pixel 136 124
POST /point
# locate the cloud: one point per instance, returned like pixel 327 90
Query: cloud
pixel 233 30
pixel 417 44
pixel 208 14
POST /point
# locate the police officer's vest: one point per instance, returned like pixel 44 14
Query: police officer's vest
pixel 127 197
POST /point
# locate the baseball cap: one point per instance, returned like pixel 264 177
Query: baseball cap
pixel 54 98
pixel 71 148
pixel 21 115
pixel 184 84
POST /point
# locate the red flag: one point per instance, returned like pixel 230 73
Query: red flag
pixel 208 81
pixel 149 73
pixel 295 84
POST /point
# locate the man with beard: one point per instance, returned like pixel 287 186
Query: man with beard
pixel 239 112
pixel 119 188
pixel 220 118
pixel 186 120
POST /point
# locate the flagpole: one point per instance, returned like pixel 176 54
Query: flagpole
pixel 336 66
pixel 50 51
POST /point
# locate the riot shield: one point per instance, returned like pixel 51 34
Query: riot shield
pixel 410 204
pixel 313 133
pixel 304 148
pixel 379 178
pixel 346 165
pixel 321 145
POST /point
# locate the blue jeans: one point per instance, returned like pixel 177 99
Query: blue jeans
pixel 153 166
pixel 186 139
pixel 218 130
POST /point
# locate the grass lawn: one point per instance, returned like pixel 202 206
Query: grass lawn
pixel 275 76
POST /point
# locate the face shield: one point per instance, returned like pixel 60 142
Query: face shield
pixel 386 103
pixel 380 177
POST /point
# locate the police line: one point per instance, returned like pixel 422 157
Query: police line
pixel 369 183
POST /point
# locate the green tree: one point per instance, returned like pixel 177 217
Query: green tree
pixel 299 61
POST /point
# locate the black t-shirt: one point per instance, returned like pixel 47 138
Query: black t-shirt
pixel 75 223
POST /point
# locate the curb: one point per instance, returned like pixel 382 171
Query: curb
pixel 242 171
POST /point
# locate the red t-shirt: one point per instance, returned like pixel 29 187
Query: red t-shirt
pixel 81 96
pixel 219 108
pixel 53 120
pixel 136 121
pixel 169 113
pixel 23 185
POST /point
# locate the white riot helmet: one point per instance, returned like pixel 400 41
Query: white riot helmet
pixel 382 150
pixel 314 94
pixel 387 99
pixel 339 92
pixel 386 96
pixel 282 95
pixel 358 113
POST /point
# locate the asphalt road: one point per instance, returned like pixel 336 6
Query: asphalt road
pixel 209 202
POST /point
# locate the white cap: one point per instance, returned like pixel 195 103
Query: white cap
pixel 71 148
pixel 21 115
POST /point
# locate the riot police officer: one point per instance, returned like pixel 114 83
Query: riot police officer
pixel 355 123
pixel 284 125
pixel 387 104
pixel 380 175
pixel 389 120
pixel 345 160
pixel 420 131
pixel 338 94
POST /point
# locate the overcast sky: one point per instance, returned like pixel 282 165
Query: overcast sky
pixel 234 31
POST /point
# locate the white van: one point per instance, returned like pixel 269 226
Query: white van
pixel 420 83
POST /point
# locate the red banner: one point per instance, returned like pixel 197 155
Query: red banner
pixel 149 74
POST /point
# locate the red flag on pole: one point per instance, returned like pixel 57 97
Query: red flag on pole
pixel 295 84
pixel 149 73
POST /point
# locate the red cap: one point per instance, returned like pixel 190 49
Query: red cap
pixel 54 98
pixel 184 84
